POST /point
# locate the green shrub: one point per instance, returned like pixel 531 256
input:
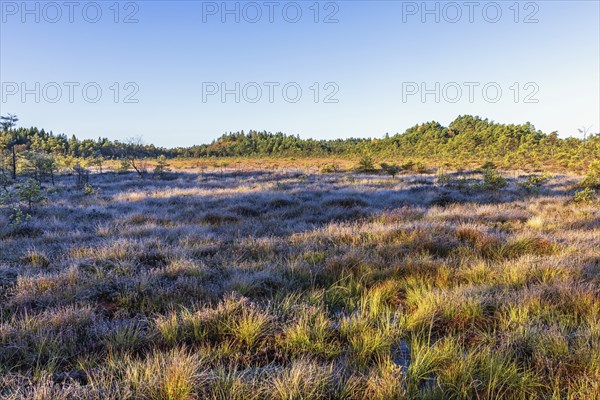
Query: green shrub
pixel 493 180
pixel 586 196
pixel 534 183
pixel 408 166
pixel 30 192
pixel 330 168
pixel 390 169
pixel 161 166
pixel 41 164
pixel 444 179
pixel 488 166
pixel 366 164
pixel 124 166
pixel 88 189
pixel 421 168
pixel 592 180
pixel 16 215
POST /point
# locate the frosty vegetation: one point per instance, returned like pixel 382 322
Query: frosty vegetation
pixel 282 284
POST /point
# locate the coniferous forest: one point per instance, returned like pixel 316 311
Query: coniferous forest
pixel 467 139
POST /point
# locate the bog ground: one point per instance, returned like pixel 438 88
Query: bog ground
pixel 297 285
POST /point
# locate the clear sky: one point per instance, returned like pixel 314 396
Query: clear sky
pixel 370 60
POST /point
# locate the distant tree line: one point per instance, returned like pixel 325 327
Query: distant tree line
pixel 468 138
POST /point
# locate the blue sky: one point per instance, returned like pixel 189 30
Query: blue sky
pixel 371 58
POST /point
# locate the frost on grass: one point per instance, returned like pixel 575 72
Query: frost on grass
pixel 288 286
